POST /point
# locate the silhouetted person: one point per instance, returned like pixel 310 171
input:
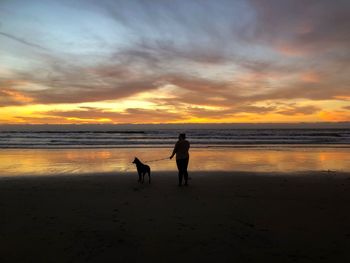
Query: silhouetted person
pixel 182 157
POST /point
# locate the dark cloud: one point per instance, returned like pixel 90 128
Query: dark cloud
pixel 6 99
pixel 41 120
pixel 160 51
pixel 309 91
pixel 297 110
pixel 9 96
pixel 91 93
pixel 199 112
pixel 310 26
pixel 131 115
pixel 156 115
pixel 70 82
pixel 73 84
pixel 255 109
pixel 23 41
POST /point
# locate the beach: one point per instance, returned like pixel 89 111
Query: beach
pixel 254 196
pixel 220 216
pixel 248 98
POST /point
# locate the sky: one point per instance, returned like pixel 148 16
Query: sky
pixel 174 61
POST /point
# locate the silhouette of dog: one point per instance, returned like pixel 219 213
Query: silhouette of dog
pixel 142 169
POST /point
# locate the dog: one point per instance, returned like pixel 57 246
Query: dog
pixel 142 169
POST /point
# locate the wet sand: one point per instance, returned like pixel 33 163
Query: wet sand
pixel 21 162
pixel 221 216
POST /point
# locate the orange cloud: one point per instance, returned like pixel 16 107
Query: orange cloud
pixel 304 28
pixel 342 97
pixel 335 116
pixel 289 50
pixel 310 77
pixel 17 96
pixel 294 110
pixel 10 96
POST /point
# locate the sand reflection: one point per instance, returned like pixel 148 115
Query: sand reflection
pixel 16 162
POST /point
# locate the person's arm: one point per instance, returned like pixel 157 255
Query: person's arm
pixel 174 151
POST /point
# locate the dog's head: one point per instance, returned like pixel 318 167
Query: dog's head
pixel 136 160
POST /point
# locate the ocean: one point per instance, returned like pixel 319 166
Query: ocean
pixel 165 138
pixel 43 151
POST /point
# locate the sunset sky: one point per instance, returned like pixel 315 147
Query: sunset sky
pixel 174 61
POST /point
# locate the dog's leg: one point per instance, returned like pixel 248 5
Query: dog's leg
pixel 149 176
pixel 143 177
pixel 139 178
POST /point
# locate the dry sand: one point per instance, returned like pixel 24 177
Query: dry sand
pixel 222 217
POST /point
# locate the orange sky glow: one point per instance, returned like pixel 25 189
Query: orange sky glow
pixel 185 62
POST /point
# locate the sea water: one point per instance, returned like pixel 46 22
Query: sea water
pixel 89 151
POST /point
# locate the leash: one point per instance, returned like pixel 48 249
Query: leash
pixel 128 167
pixel 156 160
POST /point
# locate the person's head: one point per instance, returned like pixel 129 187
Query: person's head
pixel 182 136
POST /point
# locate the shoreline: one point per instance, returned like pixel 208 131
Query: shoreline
pixel 196 174
pixel 236 216
pixel 262 146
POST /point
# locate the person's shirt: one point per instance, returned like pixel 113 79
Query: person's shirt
pixel 181 149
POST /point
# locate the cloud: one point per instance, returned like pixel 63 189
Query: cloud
pixel 309 91
pixel 335 116
pixel 130 115
pixel 91 93
pixel 69 83
pixel 7 99
pixel 9 96
pixel 221 59
pixel 156 52
pixel 139 115
pixel 299 110
pixel 23 41
pixel 222 114
pixel 198 112
pixel 172 36
pixel 299 27
pixel 66 81
pixel 39 120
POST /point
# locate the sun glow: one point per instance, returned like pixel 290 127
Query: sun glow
pixel 110 64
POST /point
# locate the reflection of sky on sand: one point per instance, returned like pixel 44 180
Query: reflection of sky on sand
pixel 74 161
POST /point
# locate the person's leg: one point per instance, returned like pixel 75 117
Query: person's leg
pixel 185 165
pixel 179 167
